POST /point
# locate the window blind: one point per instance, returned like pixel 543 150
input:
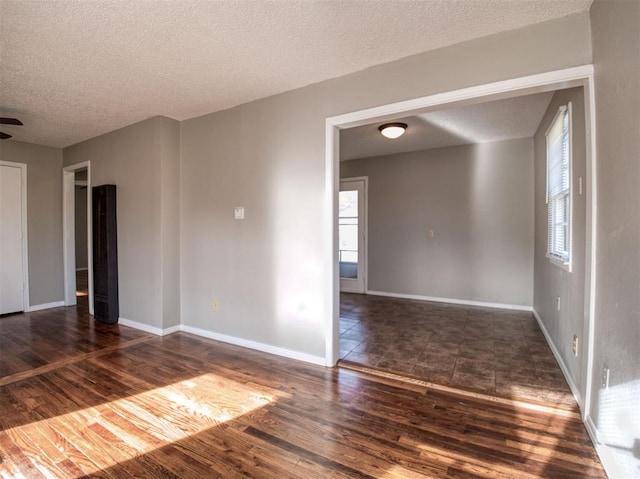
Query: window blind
pixel 559 187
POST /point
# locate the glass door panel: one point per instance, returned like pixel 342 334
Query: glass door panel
pixel 351 227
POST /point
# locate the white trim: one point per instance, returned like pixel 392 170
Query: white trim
pixel 40 307
pixel 566 78
pixel 171 330
pixel 563 367
pixel 141 326
pixel 565 265
pixel 68 232
pixel 607 458
pixel 25 232
pixel 148 329
pixel 548 81
pixel 592 430
pixel 344 289
pixel 81 269
pixel 332 276
pixel 590 241
pixel 517 307
pixel 246 343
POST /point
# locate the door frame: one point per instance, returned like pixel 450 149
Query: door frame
pixel 26 306
pixel 69 236
pixel 549 81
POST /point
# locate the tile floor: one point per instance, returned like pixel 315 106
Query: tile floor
pixel 495 351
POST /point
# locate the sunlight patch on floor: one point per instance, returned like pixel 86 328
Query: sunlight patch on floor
pixel 119 430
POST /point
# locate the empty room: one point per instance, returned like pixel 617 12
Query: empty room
pixel 324 239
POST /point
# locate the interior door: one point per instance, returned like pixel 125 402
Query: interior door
pixel 352 254
pixel 11 273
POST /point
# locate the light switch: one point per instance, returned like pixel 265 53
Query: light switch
pixel 239 212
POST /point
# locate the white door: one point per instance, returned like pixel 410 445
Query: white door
pixel 352 247
pixel 11 273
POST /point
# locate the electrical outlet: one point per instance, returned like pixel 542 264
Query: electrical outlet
pixel 605 376
pixel 214 306
pixel 431 234
pixel 575 345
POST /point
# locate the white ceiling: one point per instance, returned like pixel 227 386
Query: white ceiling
pixel 517 117
pixel 71 70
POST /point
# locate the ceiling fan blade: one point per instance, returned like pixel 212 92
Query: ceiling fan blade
pixel 10 121
pixel 4 136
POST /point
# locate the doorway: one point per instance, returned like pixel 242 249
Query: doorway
pixel 81 233
pixel 76 180
pixel 352 227
pixel 14 282
pixel 572 77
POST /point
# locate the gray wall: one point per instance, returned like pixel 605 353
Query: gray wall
pixel 44 217
pixel 478 199
pixel 616 57
pixel 550 280
pixel 81 227
pixel 268 271
pixel 136 159
pixel 169 146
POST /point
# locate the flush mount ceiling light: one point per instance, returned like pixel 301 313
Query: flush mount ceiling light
pixel 392 130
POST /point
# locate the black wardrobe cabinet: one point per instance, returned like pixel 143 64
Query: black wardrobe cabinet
pixel 105 254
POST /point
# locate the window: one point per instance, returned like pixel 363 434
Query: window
pixel 559 188
pixel 348 226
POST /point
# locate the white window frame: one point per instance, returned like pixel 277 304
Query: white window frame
pixel 562 194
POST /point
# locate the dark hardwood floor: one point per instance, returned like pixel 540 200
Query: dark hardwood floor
pixel 80 398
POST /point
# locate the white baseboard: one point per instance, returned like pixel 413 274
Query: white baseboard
pixel 517 307
pixel 592 430
pixel 148 329
pixel 171 330
pixel 607 458
pixel 40 307
pixel 348 290
pixel 246 343
pixel 563 367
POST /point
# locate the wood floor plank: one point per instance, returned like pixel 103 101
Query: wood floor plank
pixel 15 462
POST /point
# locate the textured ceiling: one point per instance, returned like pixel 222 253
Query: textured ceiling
pixel 493 121
pixel 71 70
